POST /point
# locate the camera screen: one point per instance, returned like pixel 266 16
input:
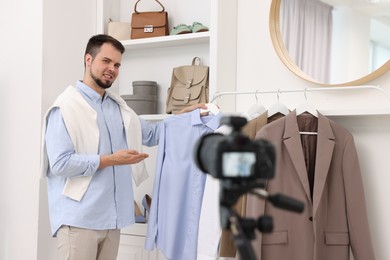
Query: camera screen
pixel 238 164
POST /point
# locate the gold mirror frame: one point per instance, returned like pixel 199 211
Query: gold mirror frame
pixel 280 48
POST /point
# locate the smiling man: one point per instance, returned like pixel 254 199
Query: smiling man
pixel 92 150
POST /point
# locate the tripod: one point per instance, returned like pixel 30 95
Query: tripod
pixel 243 229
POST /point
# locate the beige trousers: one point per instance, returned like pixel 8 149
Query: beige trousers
pixel 86 244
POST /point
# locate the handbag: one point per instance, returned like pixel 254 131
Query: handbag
pixel 119 30
pixel 149 24
pixel 189 86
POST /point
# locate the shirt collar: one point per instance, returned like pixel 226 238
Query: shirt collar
pixel 89 92
pixel 211 121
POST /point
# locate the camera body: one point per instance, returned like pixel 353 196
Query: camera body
pixel 235 157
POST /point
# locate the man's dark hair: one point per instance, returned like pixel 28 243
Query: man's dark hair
pixel 96 41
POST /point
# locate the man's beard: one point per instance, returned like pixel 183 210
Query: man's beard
pixel 99 82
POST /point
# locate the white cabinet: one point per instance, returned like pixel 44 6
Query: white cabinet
pixel 132 244
pixel 130 248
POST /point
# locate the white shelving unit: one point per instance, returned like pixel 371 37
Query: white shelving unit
pixel 154 59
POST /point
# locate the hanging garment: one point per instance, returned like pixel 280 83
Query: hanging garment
pixel 178 186
pixel 228 247
pixel 210 243
pixel 335 217
pixel 214 242
pixel 252 201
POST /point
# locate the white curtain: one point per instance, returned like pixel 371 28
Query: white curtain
pixel 306 27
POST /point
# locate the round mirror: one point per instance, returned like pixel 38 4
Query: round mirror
pixel 332 42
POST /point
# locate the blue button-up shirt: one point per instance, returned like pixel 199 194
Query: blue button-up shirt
pixel 108 202
pixel 178 186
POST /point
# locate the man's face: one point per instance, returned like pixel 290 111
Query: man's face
pixel 104 68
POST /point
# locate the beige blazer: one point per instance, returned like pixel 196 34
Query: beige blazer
pixel 228 247
pixel 336 218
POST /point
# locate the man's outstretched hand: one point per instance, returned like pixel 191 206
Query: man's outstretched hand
pixel 122 157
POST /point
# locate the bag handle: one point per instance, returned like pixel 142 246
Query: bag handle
pixel 196 61
pixel 135 6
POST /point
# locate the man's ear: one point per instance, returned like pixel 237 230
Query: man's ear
pixel 88 59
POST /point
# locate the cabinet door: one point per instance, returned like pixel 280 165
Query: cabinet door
pixel 132 248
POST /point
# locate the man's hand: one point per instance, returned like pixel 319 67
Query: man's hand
pixel 192 108
pixel 122 157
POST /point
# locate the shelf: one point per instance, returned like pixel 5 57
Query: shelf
pixel 167 41
pixel 155 117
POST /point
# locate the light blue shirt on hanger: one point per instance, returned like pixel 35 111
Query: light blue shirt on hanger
pixel 108 201
pixel 178 186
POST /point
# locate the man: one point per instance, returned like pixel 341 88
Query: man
pixel 91 146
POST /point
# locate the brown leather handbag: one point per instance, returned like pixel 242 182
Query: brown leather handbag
pixel 149 24
pixel 189 86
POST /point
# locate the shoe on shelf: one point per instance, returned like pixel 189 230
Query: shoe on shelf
pixel 198 27
pixel 147 202
pixel 180 29
pixel 139 218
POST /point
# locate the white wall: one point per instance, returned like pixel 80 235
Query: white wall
pixel 260 68
pixel 42 47
pixel 31 77
pixel 67 26
pixel 20 117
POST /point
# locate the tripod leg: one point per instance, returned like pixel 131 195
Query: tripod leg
pixel 243 244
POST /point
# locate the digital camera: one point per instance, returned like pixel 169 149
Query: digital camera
pixel 234 156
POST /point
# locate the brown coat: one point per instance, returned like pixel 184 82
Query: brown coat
pixel 336 218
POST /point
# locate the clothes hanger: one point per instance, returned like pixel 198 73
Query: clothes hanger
pixel 256 110
pixel 306 107
pixel 211 108
pixel 278 108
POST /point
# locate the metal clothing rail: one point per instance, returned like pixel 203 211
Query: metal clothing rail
pixel 279 91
